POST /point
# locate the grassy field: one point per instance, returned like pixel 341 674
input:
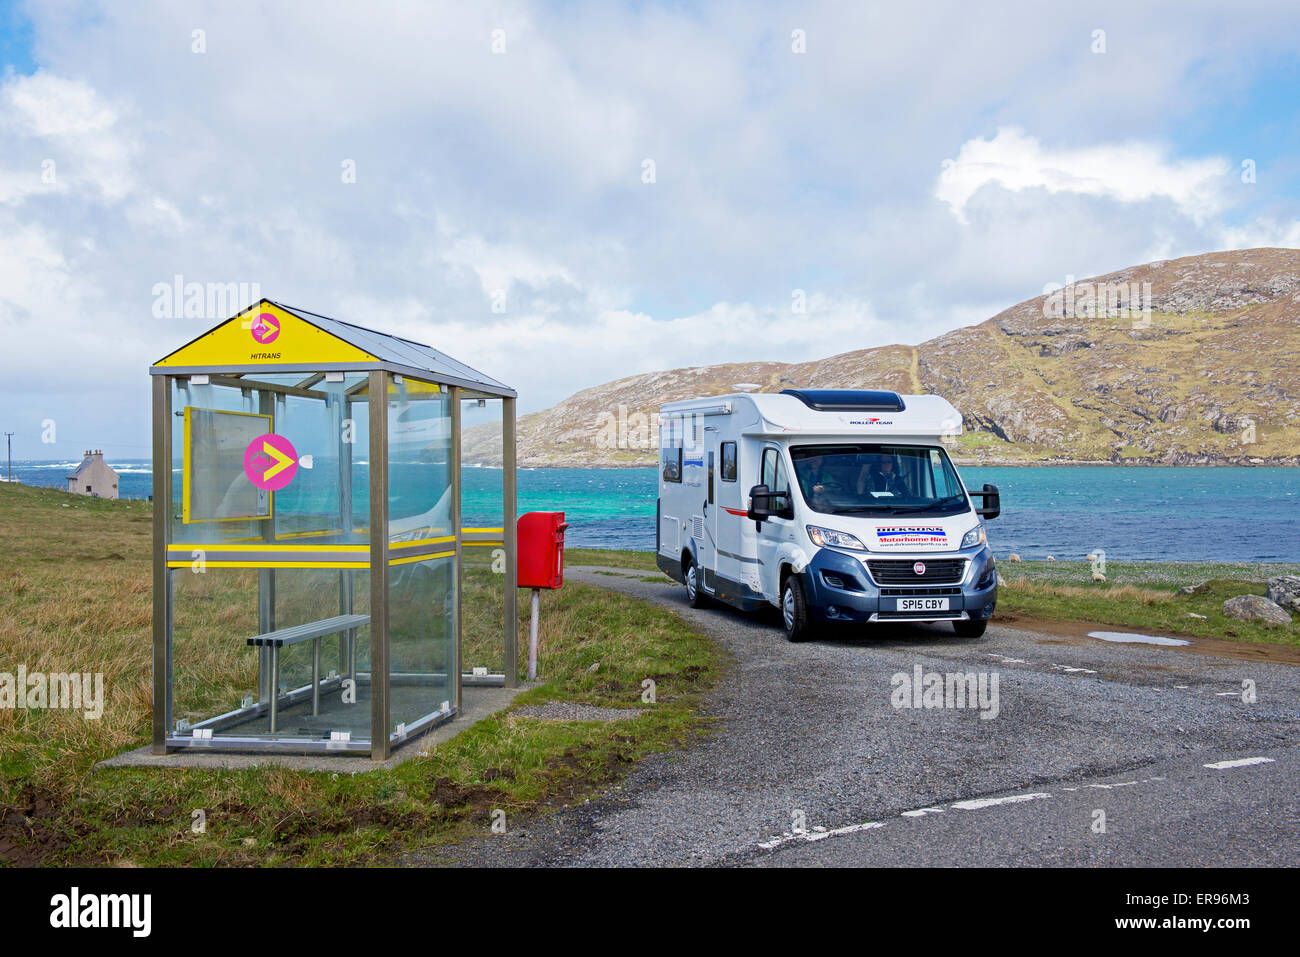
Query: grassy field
pixel 75 596
pixel 1146 595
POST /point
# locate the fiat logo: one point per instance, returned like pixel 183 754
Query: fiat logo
pixel 919 568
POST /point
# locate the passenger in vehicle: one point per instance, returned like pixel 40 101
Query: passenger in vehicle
pixel 881 476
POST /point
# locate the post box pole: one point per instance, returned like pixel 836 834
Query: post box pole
pixel 532 637
pixel 510 522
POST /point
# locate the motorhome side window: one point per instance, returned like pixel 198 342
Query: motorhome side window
pixel 670 448
pixel 945 479
pixel 774 471
pixel 728 470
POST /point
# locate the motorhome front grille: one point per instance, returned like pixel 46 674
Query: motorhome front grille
pixel 918 592
pixel 935 571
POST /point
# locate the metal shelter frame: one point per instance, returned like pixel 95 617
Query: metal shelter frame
pixel 319 348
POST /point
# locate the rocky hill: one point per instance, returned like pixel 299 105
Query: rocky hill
pixel 1191 361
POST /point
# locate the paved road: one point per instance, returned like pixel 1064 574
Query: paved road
pixel 816 762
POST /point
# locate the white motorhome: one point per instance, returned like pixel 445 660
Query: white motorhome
pixel 833 505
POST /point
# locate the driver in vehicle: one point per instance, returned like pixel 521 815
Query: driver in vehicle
pixel 818 480
pixel 881 476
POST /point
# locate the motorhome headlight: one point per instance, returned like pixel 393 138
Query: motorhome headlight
pixel 974 537
pixel 829 538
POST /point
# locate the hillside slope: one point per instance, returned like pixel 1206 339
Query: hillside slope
pixel 1211 374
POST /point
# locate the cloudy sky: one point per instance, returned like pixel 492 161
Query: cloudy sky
pixel 560 194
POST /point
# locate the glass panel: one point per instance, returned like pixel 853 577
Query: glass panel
pixel 670 448
pixel 421 593
pixel 421 638
pixel 728 461
pixel 419 452
pixel 254 465
pixel 944 476
pixel 772 472
pixel 214 611
pixel 266 462
pixel 224 684
pixel 483 578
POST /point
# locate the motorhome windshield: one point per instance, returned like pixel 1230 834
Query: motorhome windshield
pixel 883 479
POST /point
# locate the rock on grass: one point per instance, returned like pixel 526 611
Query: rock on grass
pixel 1284 591
pixel 1256 608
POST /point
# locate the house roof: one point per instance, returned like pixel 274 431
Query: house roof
pixel 89 462
pixel 271 336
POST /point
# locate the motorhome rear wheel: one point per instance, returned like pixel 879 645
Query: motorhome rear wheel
pixel 694 594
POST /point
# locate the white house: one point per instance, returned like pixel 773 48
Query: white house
pixel 94 477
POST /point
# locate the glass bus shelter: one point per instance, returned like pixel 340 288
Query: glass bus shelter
pixel 319 584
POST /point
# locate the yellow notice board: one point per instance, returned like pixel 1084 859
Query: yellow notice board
pixel 214 486
pixel 264 334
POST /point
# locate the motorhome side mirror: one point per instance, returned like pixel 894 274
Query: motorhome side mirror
pixel 780 504
pixel 760 503
pixel 992 502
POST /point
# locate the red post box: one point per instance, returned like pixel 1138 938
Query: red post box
pixel 541 549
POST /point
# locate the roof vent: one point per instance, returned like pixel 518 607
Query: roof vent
pixel 848 400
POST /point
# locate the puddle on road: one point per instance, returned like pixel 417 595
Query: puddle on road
pixel 1129 637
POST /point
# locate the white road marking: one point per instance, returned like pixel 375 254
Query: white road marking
pixel 1068 670
pixel 1227 694
pixel 980 803
pixel 1238 763
pixel 1117 784
pixel 818 834
pixel 1010 661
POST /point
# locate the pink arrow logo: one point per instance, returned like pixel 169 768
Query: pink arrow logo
pixel 265 328
pixel 270 462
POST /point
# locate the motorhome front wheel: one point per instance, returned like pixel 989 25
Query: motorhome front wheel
pixel 794 610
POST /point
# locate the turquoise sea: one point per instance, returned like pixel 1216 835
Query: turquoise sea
pixel 1134 513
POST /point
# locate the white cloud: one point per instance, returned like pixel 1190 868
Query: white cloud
pixel 53 106
pixel 498 265
pixel 61 137
pixel 33 274
pixel 1127 172
pixel 1262 232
